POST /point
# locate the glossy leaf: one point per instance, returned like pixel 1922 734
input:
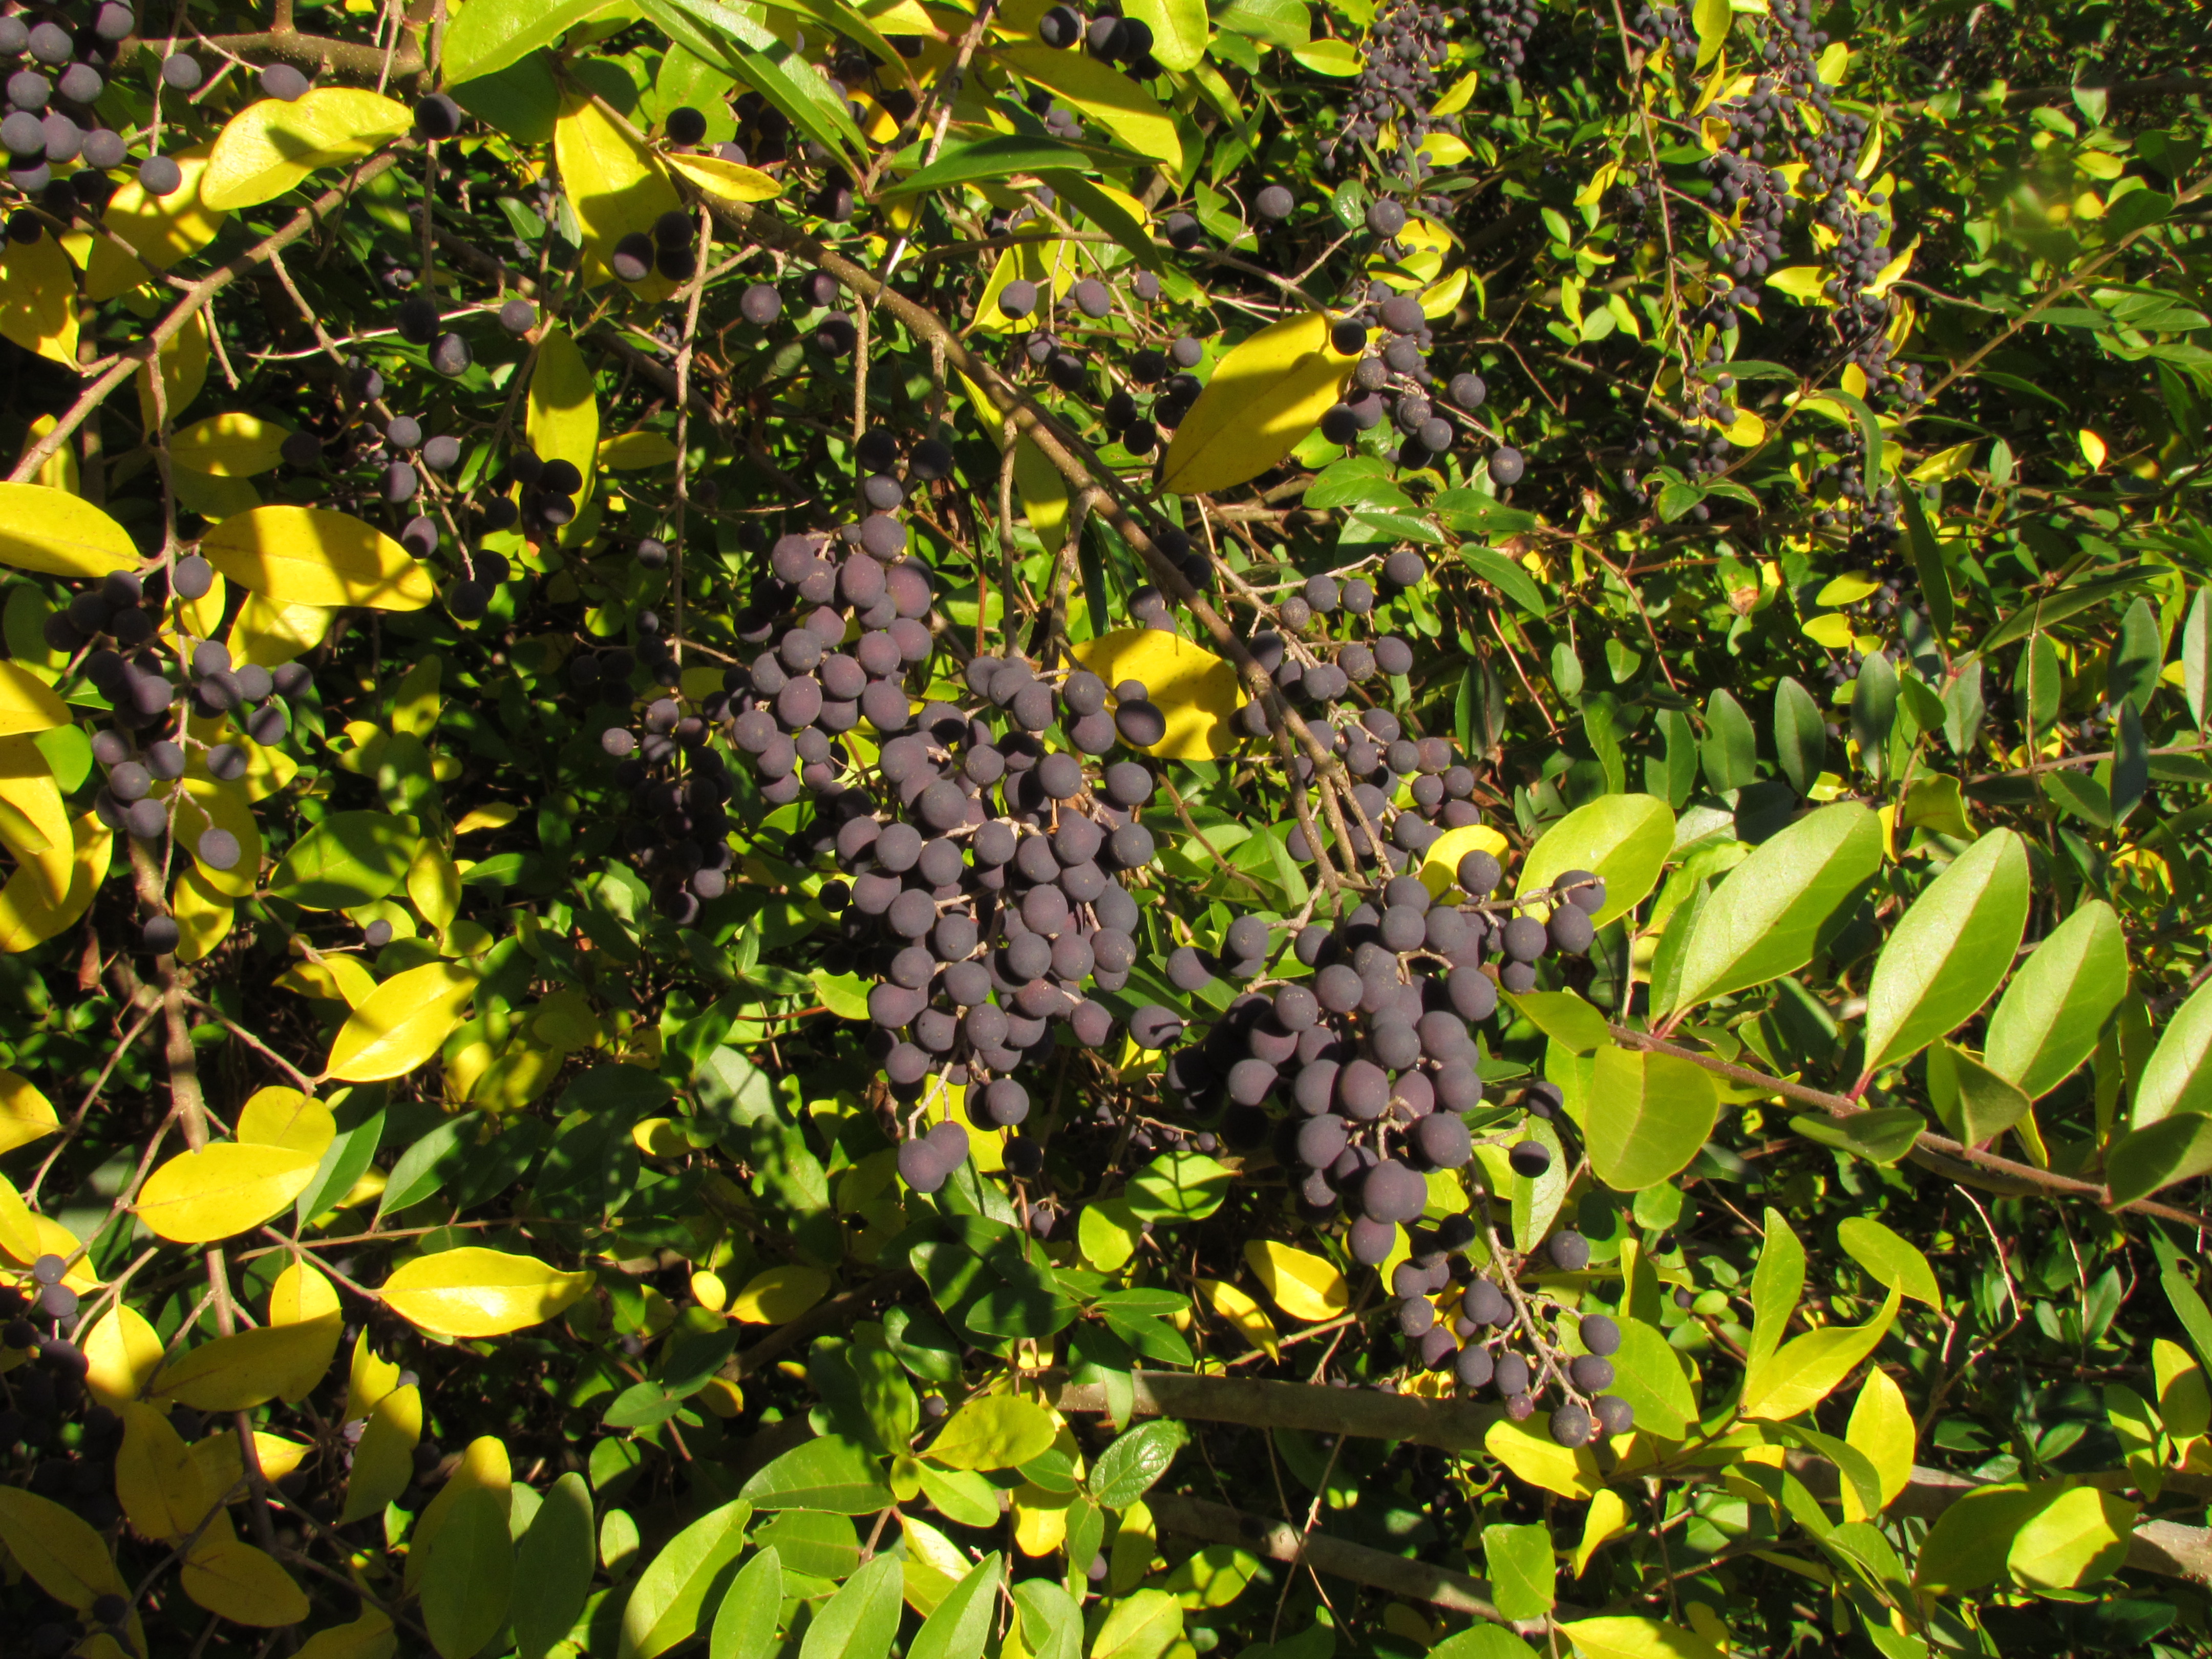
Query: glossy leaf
pixel 1138 1457
pixel 2079 1538
pixel 55 533
pixel 1806 1369
pixel 1974 1103
pixel 484 39
pixel 961 1623
pixel 1624 838
pixel 348 859
pixel 26 1114
pixel 1967 1545
pixel 726 181
pixel 826 1473
pixel 271 145
pixel 1266 393
pixel 2178 1078
pixel 1646 1116
pixel 1882 1431
pixel 1648 1374
pixel 311 555
pixel 1949 951
pixel 861 1620
pixel 1102 94
pixel 1142 1624
pixel 744 1628
pixel 468 1577
pixel 402 1023
pixel 248 1367
pixel 1890 1259
pixel 665 1605
pixel 1305 1286
pixel 618 187
pixel 157 1481
pixel 235 444
pixel 996 1432
pixel 1766 918
pixel 1624 1638
pixel 779 1295
pixel 222 1189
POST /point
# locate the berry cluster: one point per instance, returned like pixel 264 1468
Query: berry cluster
pixel 1506 26
pixel 48 119
pixel 1124 42
pixel 1400 62
pixel 1395 382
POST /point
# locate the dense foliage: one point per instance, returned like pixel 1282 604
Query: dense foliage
pixel 1290 829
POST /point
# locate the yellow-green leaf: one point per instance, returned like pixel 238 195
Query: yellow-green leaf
pixel 38 299
pixel 122 1352
pixel 65 1558
pixel 727 181
pixel 234 445
pixel 222 1189
pixel 384 1458
pixel 26 1114
pixel 271 145
pixel 2078 1538
pixel 1439 871
pixel 617 185
pixel 1198 692
pixel 57 534
pixel 1804 283
pixel 1881 1431
pixel 1944 464
pixel 1531 1453
pixel 229 1576
pixel 310 556
pixel 1637 1638
pixel 473 1292
pixel 635 452
pixel 996 1432
pixel 1804 1370
pixel 157 1481
pixel 779 1295
pixel 277 1116
pixel 564 410
pixel 1249 1318
pixel 29 915
pixel 1893 1261
pixel 1105 94
pixel 249 1368
pixel 1266 395
pixel 369 1637
pixel 403 1023
pixel 468 1577
pixel 1143 1625
pixel 160 229
pixel 1303 1286
pixel 485 1467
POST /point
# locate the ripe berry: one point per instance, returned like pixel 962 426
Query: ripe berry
pixel 1529 1158
pixel 1275 202
pixel 1385 217
pixel 159 175
pixel 685 125
pixel 632 259
pixel 180 72
pixel 1506 466
pixel 282 81
pixel 437 117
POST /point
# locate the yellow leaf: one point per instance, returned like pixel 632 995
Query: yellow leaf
pixel 403 1023
pixel 234 445
pixel 1303 1286
pixel 26 1114
pixel 1250 1319
pixel 1805 1370
pixel 1529 1451
pixel 57 534
pixel 302 1296
pixel 1745 431
pixel 371 1378
pixel 564 411
pixel 2184 1403
pixel 271 145
pixel 2093 447
pixel 157 1481
pixel 384 1458
pixel 1637 1638
pixel 1198 692
pixel 269 632
pixel 28 916
pixel 1804 283
pixel 433 884
pixel 726 180
pixel 1108 97
pixel 229 1576
pixel 249 1368
pixel 1266 395
pixel 213 806
pixel 471 1291
pixel 222 1190
pixel 203 915
pixel 485 1467
pixel 1944 464
pixel 779 1295
pixel 1606 1518
pixel 1832 630
pixel 162 229
pixel 369 1637
pixel 1440 864
pixel 61 1554
pixel 34 823
pixel 2077 1540
pixel 222 1470
pixel 311 555
pixel 1853 380
pixel 122 1352
pixel 50 1237
pixel 617 185
pixel 277 1116
pixel 1040 1518
pixel 634 452
pixel 38 299
pixel 19 1228
pixel 1441 299
pixel 1882 1431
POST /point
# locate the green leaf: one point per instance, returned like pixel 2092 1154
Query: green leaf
pixel 996 1432
pixel 1536 1202
pixel 1052 1624
pixel 1340 58
pixel 744 1627
pixel 2081 1537
pixel 486 37
pixel 1125 1470
pixel 1524 1576
pixel 1974 1103
pixel 1646 1116
pixel 1804 1370
pixel 2131 773
pixel 1950 951
pixel 1730 747
pixel 1847 407
pixel 2046 1023
pixel 555 1560
pixel 826 1473
pixel 2042 613
pixel 1647 1373
pixel 1874 711
pixel 1279 22
pixel 1563 1017
pixel 812 1544
pixel 2177 1079
pixel 1178 1186
pixel 1506 576
pixel 1110 217
pixel 2172 1149
pixel 1101 93
pixel 427 1165
pixel 1891 1260
pixel 1142 1624
pixel 1801 736
pixel 961 1621
pixel 1776 1283
pixel 1477 1642
pixel 1967 1545
pixel 1767 916
pixel 994 158
pixel 861 1620
pixel 1880 1136
pixel 1180 29
pixel 348 859
pixel 1928 562
pixel 1624 838
pixel 1712 19
pixel 469 1575
pixel 664 1606
pixel 2196 658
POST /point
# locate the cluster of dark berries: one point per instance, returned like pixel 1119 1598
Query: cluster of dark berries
pixel 44 1391
pixel 420 323
pixel 1668 26
pixel 679 787
pixel 1395 383
pixel 1872 520
pixel 1401 61
pixel 1124 42
pixel 1505 25
pixel 47 120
